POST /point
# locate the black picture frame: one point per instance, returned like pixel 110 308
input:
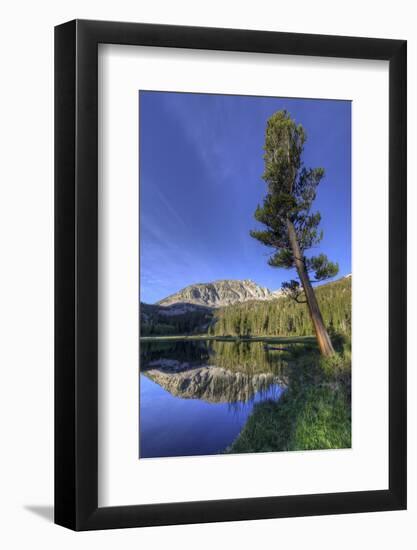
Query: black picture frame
pixel 76 272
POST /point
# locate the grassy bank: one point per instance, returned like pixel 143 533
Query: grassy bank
pixel 313 413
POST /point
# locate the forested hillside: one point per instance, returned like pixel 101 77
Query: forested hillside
pixel 159 321
pixel 285 317
pixel 277 317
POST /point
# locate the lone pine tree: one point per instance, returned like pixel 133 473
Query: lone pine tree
pixel 290 227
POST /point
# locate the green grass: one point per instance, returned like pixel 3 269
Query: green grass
pixel 313 413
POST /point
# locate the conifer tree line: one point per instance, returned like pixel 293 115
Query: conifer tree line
pixel 154 323
pixel 280 317
pixel 284 317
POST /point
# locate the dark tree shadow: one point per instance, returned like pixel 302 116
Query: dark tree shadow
pixel 45 512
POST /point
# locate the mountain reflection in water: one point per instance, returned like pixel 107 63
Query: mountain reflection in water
pixel 195 396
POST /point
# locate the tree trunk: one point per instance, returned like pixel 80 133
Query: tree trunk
pixel 323 338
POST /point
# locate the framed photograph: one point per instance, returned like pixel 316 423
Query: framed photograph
pixel 230 255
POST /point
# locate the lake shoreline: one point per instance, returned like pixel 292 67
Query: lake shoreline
pixel 197 337
pixel 205 395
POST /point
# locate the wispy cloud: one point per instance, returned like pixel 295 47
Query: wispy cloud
pixel 201 183
pixel 167 209
pixel 165 265
pixel 203 120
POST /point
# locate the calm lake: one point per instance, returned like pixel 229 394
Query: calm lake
pixel 195 396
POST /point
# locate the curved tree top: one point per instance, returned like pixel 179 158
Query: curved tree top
pixel 291 191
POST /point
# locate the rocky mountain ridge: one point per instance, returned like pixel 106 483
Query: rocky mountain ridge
pixel 211 383
pixel 220 293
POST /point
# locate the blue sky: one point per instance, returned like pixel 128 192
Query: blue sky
pixel 200 182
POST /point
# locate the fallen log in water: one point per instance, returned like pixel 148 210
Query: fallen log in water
pixel 270 348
